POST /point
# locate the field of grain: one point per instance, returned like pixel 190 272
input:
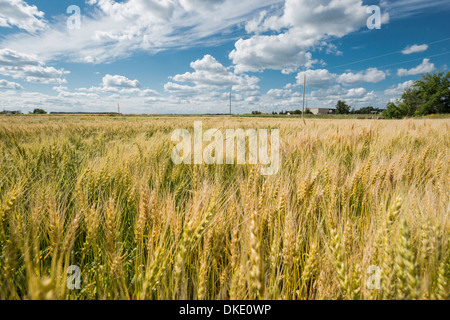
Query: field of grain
pixel 353 199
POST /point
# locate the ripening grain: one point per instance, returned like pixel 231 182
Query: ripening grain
pixel 102 193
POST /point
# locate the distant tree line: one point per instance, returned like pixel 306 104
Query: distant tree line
pixel 343 108
pixel 296 112
pixel 35 111
pixel 11 112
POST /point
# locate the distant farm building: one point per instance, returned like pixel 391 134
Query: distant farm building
pixel 322 111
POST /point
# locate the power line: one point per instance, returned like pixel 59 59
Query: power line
pixel 432 56
pixel 385 55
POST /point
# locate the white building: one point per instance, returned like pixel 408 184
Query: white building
pixel 322 111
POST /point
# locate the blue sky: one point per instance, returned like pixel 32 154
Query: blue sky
pixel 185 56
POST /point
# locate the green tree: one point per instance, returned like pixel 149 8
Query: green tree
pixel 393 112
pixel 409 102
pixel 367 110
pixel 342 108
pixel 428 95
pixel 433 92
pixel 39 111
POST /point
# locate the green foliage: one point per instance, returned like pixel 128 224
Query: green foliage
pixel 433 94
pixel 367 110
pixel 392 111
pixel 39 111
pixel 10 112
pixel 342 108
pixel 429 95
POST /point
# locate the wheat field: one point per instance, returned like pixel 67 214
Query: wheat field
pixel 102 193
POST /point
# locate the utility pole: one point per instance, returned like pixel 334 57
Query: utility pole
pixel 118 108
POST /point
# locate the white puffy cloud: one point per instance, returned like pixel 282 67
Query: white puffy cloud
pixel 210 75
pixel 4 84
pixel 208 86
pixel 13 58
pixel 356 93
pixel 318 78
pixel 29 67
pixel 208 72
pixel 415 48
pixel 20 14
pixel 337 92
pixel 112 30
pixel 303 25
pixel 425 67
pixel 322 78
pixel 398 89
pixel 116 85
pixel 117 81
pixel 116 29
pixel 282 94
pixel 277 52
pixel 181 89
pixel 371 75
pixel 121 85
pixel 318 18
pixel 201 4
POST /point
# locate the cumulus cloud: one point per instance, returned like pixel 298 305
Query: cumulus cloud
pixel 415 48
pixel 371 75
pixel 13 58
pixel 208 5
pixel 117 81
pixel 322 78
pixel 277 52
pixel 4 84
pixel 29 67
pixel 398 89
pixel 303 25
pixel 208 72
pixel 337 92
pixel 282 94
pixel 425 67
pixel 210 75
pixel 121 85
pixel 111 30
pixel 20 14
pixel 318 78
pixel 181 89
